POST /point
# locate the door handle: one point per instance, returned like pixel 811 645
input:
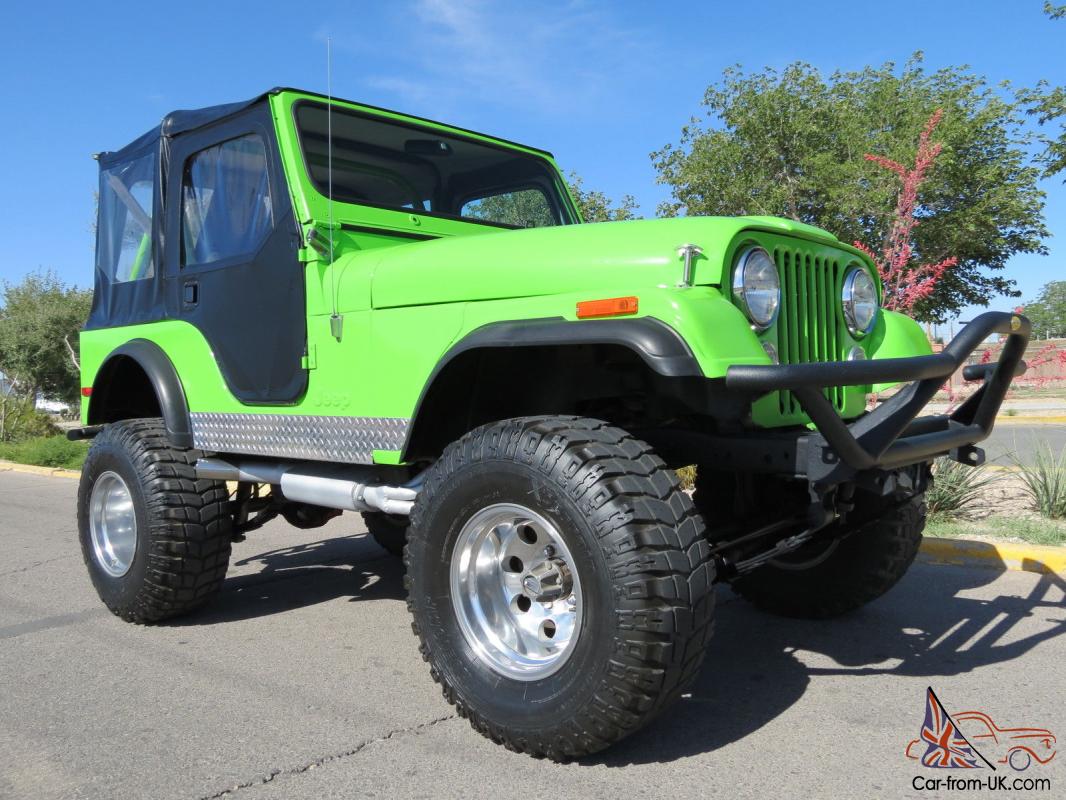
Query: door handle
pixel 191 293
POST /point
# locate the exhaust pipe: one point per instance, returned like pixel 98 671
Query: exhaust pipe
pixel 347 487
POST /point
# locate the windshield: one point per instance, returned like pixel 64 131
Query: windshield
pixel 389 164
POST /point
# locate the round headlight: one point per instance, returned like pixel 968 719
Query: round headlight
pixel 859 299
pixel 757 287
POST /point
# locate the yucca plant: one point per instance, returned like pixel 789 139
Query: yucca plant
pixel 687 476
pixel 1045 482
pixel 955 488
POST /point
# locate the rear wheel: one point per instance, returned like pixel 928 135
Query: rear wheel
pixel 155 538
pixel 845 568
pixel 560 583
pixel 388 530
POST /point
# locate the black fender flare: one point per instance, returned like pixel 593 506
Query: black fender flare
pixel 165 382
pixel 660 346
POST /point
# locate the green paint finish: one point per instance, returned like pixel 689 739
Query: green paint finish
pixel 406 302
pixel 896 336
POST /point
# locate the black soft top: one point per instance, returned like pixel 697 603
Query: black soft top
pixel 178 122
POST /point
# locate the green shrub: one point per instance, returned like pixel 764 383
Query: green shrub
pixel 955 487
pixel 1045 482
pixel 22 421
pixel 46 451
pixel 1037 530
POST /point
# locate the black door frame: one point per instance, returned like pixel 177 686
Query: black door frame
pixel 251 309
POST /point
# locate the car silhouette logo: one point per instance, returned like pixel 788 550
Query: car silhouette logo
pixel 957 741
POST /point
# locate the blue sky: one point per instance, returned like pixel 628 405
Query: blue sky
pixel 601 84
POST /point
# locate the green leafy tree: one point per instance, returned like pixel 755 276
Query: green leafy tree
pixel 1053 11
pixel 528 208
pixel 596 206
pixel 1048 312
pixel 39 322
pixel 792 144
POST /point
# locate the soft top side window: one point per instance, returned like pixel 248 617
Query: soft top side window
pixel 124 222
pixel 226 204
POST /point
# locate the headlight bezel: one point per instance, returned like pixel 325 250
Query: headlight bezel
pixel 848 304
pixel 740 287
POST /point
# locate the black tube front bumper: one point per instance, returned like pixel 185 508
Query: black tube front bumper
pixel 893 435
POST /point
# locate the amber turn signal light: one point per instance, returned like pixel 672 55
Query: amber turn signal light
pixel 614 307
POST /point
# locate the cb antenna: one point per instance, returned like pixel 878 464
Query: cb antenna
pixel 336 321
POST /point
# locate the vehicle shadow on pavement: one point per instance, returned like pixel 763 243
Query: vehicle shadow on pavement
pixel 303 575
pixel 923 627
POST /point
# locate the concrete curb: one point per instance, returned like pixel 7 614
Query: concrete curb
pixel 51 472
pixel 1017 556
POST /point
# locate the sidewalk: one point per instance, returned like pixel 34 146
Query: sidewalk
pixel 1036 410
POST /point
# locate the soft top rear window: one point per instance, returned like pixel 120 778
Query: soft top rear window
pixel 388 164
pixel 124 220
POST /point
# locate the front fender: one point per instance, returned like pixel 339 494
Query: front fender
pixel 897 336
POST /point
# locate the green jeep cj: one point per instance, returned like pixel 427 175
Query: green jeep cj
pixel 306 306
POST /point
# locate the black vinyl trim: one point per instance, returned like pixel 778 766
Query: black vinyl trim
pixel 655 342
pixel 165 382
pixel 659 345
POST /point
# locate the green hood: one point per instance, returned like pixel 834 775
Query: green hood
pixel 571 258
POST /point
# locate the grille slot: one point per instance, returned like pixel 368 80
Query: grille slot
pixel 808 325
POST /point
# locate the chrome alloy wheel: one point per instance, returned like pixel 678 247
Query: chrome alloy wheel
pixel 113 524
pixel 516 591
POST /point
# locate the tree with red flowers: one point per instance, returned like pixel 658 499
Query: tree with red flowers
pixel 789 143
pixel 905 282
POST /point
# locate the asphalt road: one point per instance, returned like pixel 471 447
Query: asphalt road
pixel 303 680
pixel 1010 440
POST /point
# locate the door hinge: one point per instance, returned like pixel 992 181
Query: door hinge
pixel 309 359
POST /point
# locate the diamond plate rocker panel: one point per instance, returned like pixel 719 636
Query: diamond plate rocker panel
pixel 350 440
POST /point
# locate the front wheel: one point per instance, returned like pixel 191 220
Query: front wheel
pixel 560 583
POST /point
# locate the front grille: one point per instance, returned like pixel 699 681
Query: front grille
pixel 808 326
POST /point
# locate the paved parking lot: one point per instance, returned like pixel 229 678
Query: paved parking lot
pixel 1018 441
pixel 303 681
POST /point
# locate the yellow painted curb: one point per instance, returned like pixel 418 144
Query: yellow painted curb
pixel 1018 419
pixel 998 555
pixel 51 472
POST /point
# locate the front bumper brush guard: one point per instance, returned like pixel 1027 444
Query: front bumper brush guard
pixel 893 436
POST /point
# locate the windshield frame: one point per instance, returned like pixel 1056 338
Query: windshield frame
pixel 559 199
